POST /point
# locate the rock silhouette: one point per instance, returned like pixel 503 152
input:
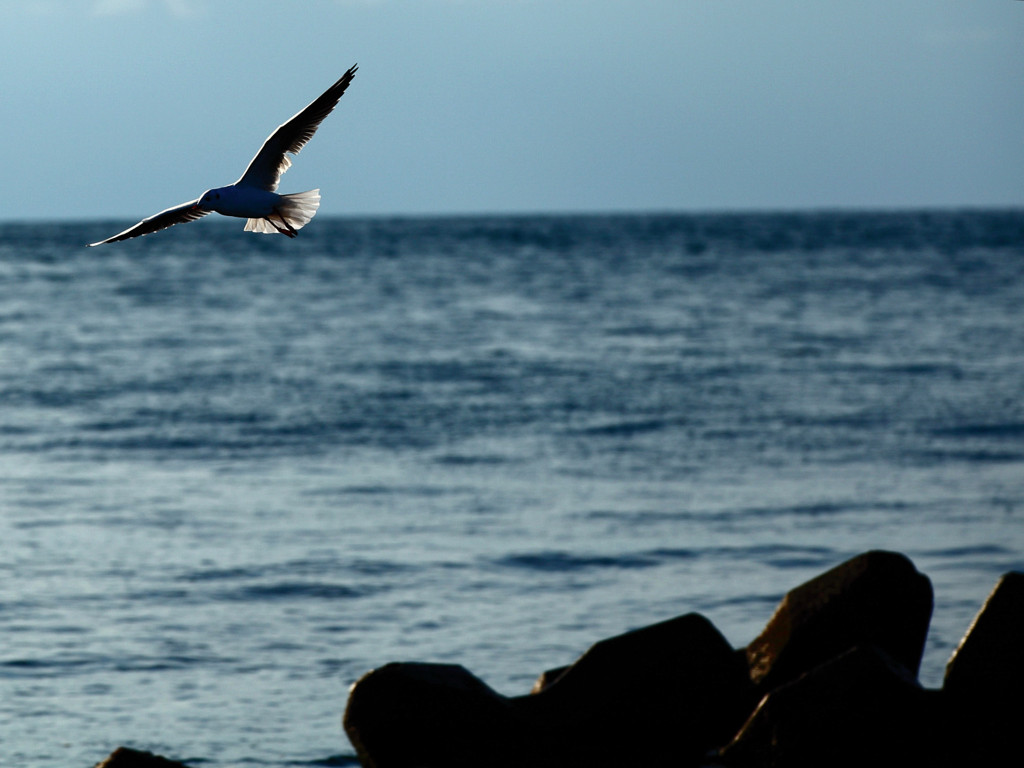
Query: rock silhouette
pixel 878 598
pixel 125 757
pixel 830 681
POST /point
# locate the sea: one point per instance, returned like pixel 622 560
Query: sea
pixel 238 471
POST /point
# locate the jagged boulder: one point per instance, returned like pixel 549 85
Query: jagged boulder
pixel 984 682
pixel 662 695
pixel 547 679
pixel 412 715
pixel 988 665
pixel 834 671
pixel 125 757
pixel 878 598
pixel 859 709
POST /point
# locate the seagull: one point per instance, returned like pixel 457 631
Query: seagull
pixel 254 196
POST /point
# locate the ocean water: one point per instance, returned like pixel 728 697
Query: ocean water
pixel 237 471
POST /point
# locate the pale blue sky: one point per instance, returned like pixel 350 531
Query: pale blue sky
pixel 119 108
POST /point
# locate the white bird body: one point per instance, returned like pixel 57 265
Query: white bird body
pixel 241 201
pixel 254 196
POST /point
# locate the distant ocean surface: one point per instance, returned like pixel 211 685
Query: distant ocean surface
pixel 238 471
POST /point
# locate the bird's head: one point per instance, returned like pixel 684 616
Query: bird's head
pixel 209 200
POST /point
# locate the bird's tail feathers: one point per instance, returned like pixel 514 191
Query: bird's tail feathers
pixel 293 213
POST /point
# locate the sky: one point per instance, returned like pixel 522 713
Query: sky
pixel 116 109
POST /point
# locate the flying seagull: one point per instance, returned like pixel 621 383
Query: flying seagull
pixel 254 196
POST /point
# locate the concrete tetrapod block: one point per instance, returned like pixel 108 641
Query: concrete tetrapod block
pixel 989 662
pixel 877 598
pixel 547 679
pixel 860 709
pixel 663 695
pixel 984 681
pixel 125 757
pixel 413 715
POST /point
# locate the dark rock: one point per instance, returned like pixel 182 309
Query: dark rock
pixel 877 598
pixel 425 715
pixel 124 757
pixel 989 662
pixel 834 670
pixel 984 681
pixel 660 695
pixel 547 679
pixel 860 709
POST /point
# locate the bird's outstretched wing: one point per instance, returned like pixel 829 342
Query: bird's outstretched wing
pixel 264 171
pixel 189 211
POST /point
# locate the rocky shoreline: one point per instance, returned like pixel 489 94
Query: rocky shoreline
pixel 831 681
